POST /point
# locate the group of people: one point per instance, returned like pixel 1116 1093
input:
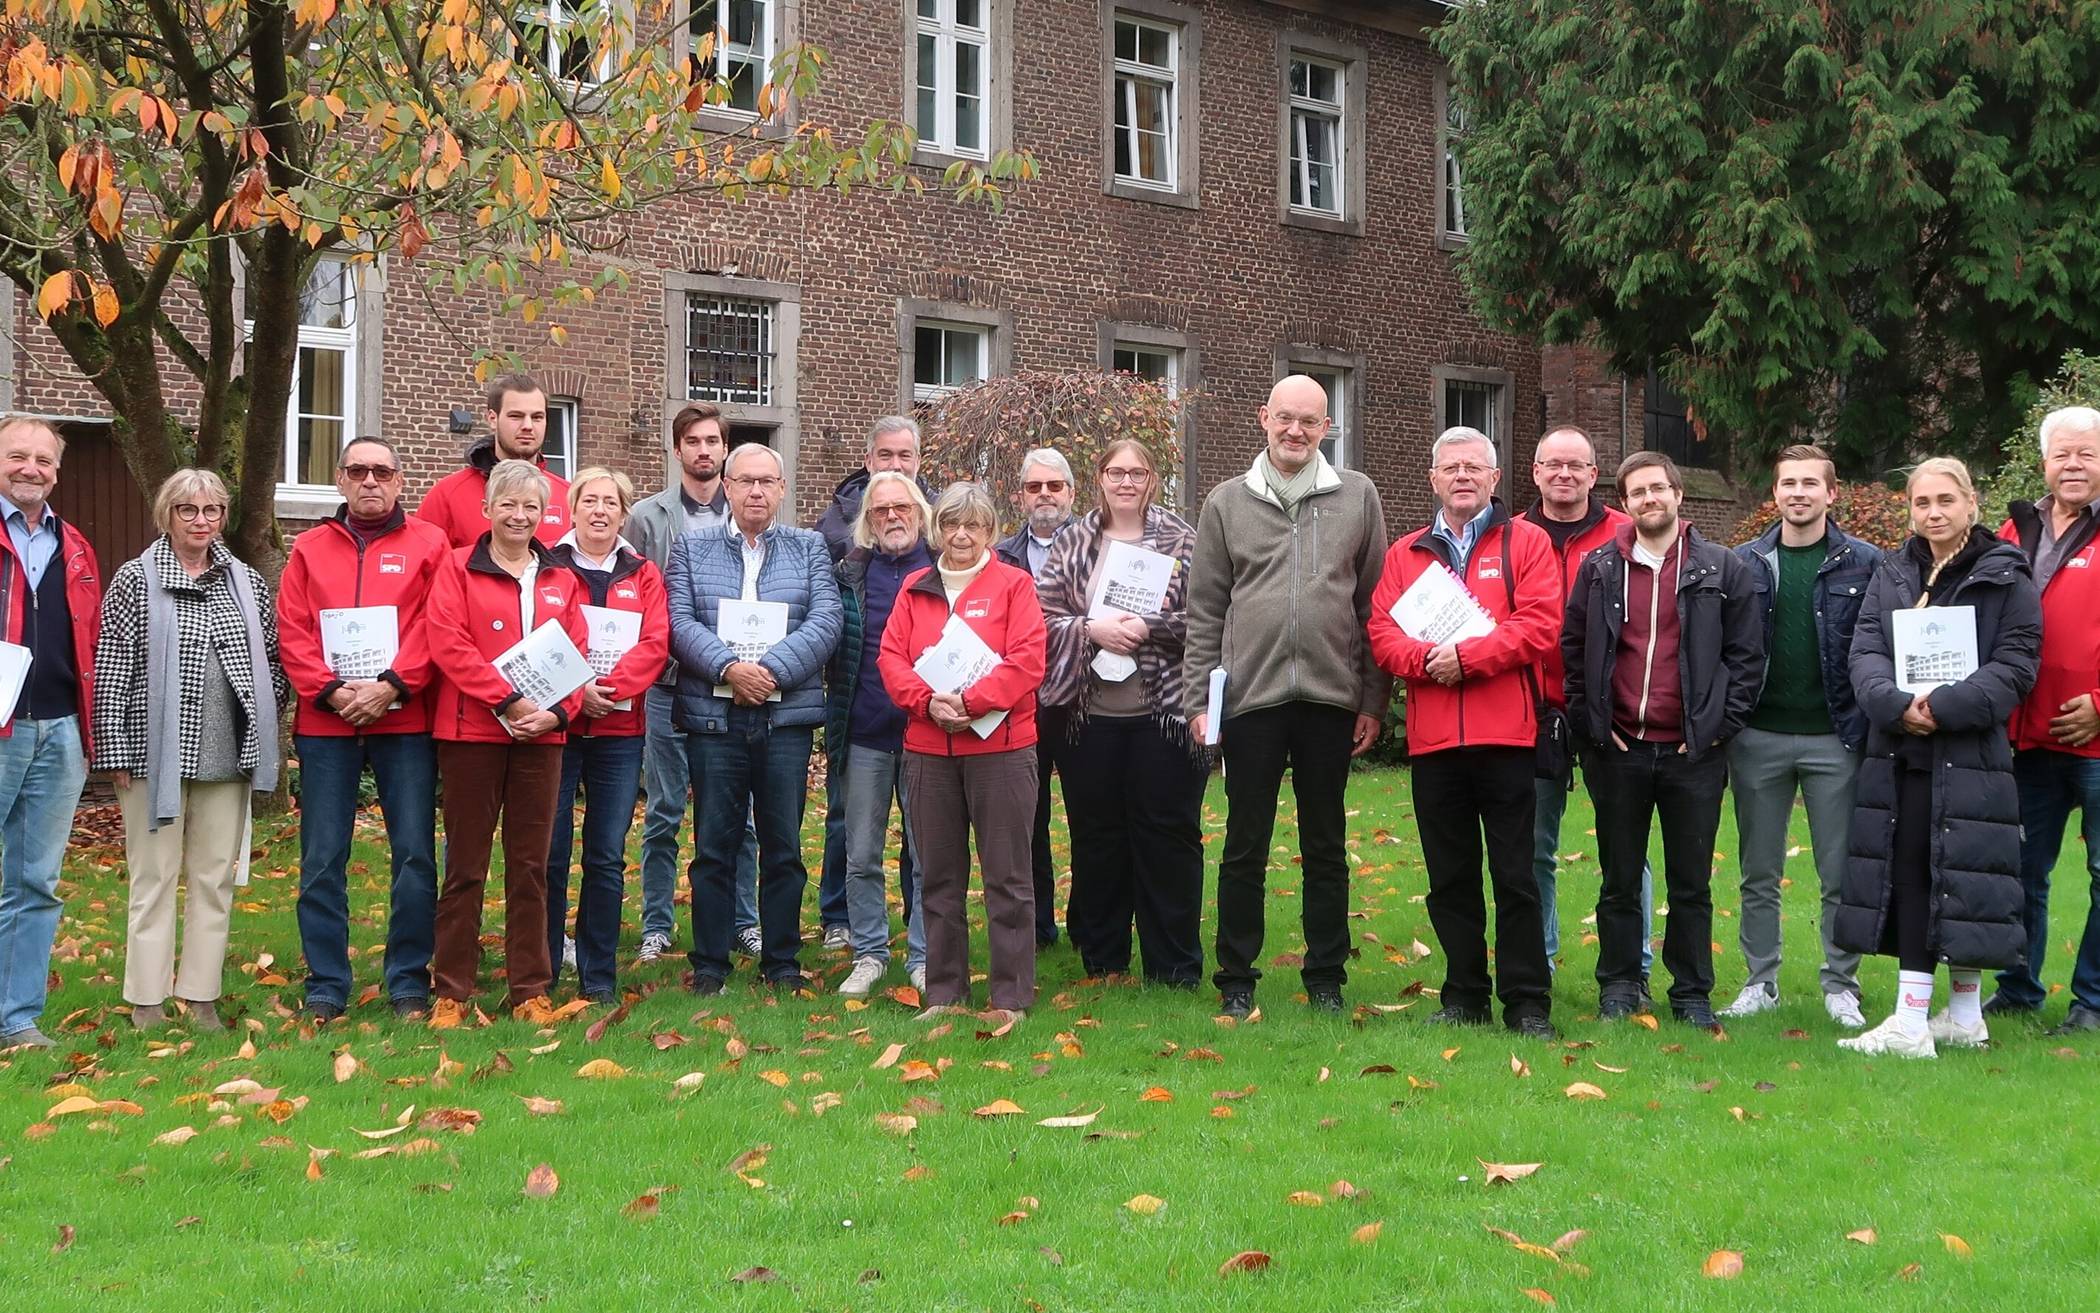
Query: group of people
pixel 955 671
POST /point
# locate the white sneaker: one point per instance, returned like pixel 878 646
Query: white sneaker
pixel 750 941
pixel 568 953
pixel 1894 1037
pixel 837 937
pixel 654 945
pixel 1753 1000
pixel 860 982
pixel 1843 1008
pixel 918 978
pixel 1954 1035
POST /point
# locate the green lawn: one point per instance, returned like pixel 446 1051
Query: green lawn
pixel 1769 1142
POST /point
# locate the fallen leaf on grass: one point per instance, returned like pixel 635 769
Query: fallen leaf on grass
pixel 690 1081
pixel 1616 1071
pixel 460 1120
pixel 1377 1069
pixel 1344 1190
pixel 896 1123
pixel 1415 1082
pixel 1247 1260
pixel 1542 1296
pixel 1071 1120
pixel 1956 1245
pixel 642 1206
pixel 755 1276
pixel 345 1066
pixel 1156 1094
pixel 1568 1240
pixel 916 1069
pixel 65 1239
pixel 76 1103
pixel 999 1108
pixel 1646 1019
pixel 1366 1233
pixel 1518 1067
pixel 1582 1089
pixel 748 1159
pixel 903 994
pixel 313 1168
pixel 383 1134
pixel 917 1172
pixel 1909 1271
pixel 888 1059
pixel 1865 1236
pixel 1450 1053
pixel 541 1182
pixel 601 1069
pixel 184 1223
pixel 1304 1199
pixel 1505 1171
pixel 1722 1265
pixel 825 1102
pixel 1144 1205
pixel 180 1135
pixel 1018 1215
pixel 666 1039
pixel 776 1078
pixel 540 1107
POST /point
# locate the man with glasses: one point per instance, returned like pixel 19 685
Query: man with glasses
pixel 351 639
pixel 1047 491
pixel 750 710
pixel 1287 557
pixel 517 420
pixel 50 603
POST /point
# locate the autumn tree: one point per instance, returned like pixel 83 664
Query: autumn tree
pixel 172 171
pixel 1872 221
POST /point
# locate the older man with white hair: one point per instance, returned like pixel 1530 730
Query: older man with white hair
pixel 1046 495
pixel 2056 731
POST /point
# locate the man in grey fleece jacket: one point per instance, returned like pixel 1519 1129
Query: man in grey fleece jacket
pixel 1280 588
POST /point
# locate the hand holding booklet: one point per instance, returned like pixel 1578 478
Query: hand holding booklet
pixel 613 635
pixel 1436 609
pixel 1933 645
pixel 544 666
pixel 750 629
pixel 957 661
pixel 1134 581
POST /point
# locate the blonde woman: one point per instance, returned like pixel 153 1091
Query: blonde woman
pixel 1933 875
pixel 188 689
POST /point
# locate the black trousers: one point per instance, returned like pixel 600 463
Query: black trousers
pixel 1907 929
pixel 1312 741
pixel 1134 801
pixel 1049 732
pixel 1461 794
pixel 1643 783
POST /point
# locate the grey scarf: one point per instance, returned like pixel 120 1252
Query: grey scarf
pixel 164 704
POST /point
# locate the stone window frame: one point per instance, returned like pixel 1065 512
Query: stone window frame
pixel 313 501
pixel 1112 333
pixel 786 19
pixel 1504 433
pixel 1188 173
pixel 998 86
pixel 999 341
pixel 1352 365
pixel 783 417
pixel 1352 171
pixel 1447 238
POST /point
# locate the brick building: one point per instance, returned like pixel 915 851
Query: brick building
pixel 1231 190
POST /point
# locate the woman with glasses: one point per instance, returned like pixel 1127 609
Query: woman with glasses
pixel 187 695
pixel 1133 776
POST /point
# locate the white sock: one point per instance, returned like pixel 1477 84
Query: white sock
pixel 1913 997
pixel 1964 996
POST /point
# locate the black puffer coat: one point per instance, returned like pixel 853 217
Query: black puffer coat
pixel 1976 894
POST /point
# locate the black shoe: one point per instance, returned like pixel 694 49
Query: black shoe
pixel 414 1008
pixel 794 983
pixel 1454 1014
pixel 707 986
pixel 1531 1026
pixel 1326 998
pixel 602 999
pixel 1236 1002
pixel 1696 1014
pixel 1619 1004
pixel 2002 1005
pixel 2079 1021
pixel 323 1012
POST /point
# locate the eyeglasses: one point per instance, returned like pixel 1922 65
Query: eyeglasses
pixel 1469 470
pixel 1286 420
pixel 765 481
pixel 1564 466
pixel 901 511
pixel 1045 485
pixel 1113 475
pixel 192 513
pixel 376 473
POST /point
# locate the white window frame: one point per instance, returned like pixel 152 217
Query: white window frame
pixel 311 337
pixel 981 334
pixel 948 35
pixel 1172 355
pixel 1450 181
pixel 1345 399
pixel 1303 108
pixel 554 16
pixel 563 461
pixel 994 328
pixel 773 24
pixel 1128 73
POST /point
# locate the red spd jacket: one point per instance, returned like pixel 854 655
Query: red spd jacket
pixel 454 505
pixel 2070 632
pixel 1000 604
pixel 1492 705
pixel 83 600
pixel 328 569
pixel 1602 522
pixel 473 617
pixel 633 584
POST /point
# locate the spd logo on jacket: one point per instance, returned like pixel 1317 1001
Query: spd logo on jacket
pixel 1490 567
pixel 2080 561
pixel 551 596
pixel 626 591
pixel 977 610
pixel 390 563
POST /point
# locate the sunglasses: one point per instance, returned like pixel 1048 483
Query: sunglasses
pixel 376 473
pixel 1044 485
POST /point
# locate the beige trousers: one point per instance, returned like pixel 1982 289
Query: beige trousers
pixel 202 847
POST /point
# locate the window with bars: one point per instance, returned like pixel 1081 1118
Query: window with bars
pixel 953 41
pixel 1317 135
pixel 564 35
pixel 1474 405
pixel 739 39
pixel 730 351
pixel 323 410
pixel 1147 95
pixel 946 357
pixel 1337 381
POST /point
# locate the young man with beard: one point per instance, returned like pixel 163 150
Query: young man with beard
pixel 517 422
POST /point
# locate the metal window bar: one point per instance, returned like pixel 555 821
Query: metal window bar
pixel 729 350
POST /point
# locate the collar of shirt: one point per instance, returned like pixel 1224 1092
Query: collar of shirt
pixel 1643 556
pixel 754 561
pixel 718 506
pixel 1468 535
pixel 46 523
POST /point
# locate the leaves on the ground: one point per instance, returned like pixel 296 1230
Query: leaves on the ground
pixel 1616 1071
pixel 1909 1271
pixel 1305 1199
pixel 1450 1053
pixel 1071 1120
pixel 689 1082
pixel 888 1059
pixel 1540 1296
pixel 999 1108
pixel 180 1135
pixel 1722 1265
pixel 755 1276
pixel 896 1123
pixel 1568 1240
pixel 541 1182
pixel 601 1069
pixel 1015 1217
pixel 1504 1172
pixel 643 1206
pixel 1582 1089
pixel 462 1121
pixel 1144 1205
pixel 1344 1191
pixel 540 1107
pixel 1156 1094
pixel 65 1239
pixel 1956 1245
pixel 345 1066
pixel 1865 1236
pixel 1366 1233
pixel 1247 1260
pixel 1646 1019
pixel 1518 1067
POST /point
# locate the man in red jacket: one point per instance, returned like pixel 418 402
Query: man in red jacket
pixel 358 576
pixel 1472 723
pixel 50 605
pixel 517 431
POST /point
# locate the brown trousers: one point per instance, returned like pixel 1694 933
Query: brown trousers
pixel 518 784
pixel 947 798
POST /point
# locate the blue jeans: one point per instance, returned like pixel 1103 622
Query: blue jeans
pixel 404 769
pixel 753 772
pixel 1545 862
pixel 872 779
pixel 667 775
pixel 2051 784
pixel 609 768
pixel 41 772
pixel 832 906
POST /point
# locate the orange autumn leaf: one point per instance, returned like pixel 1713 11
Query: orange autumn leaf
pixel 1582 1089
pixel 1247 1260
pixel 888 1059
pixel 541 1182
pixel 999 1108
pixel 1366 1233
pixel 1518 1067
pixel 1646 1019
pixel 1956 1246
pixel 1156 1094
pixel 1864 1236
pixel 1722 1265
pixel 1541 1296
pixel 1304 1199
pixel 1144 1205
pixel 1504 1172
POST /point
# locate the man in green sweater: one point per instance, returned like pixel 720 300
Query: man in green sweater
pixel 1807 731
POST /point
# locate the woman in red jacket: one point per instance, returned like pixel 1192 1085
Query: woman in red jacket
pixel 630 641
pixel 499 752
pixel 969 754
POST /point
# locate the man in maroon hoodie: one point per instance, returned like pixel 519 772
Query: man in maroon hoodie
pixel 1663 658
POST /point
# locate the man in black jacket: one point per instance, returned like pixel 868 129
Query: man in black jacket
pixel 1664 656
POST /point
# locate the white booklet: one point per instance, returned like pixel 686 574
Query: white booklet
pixel 1934 645
pixel 750 629
pixel 359 642
pixel 544 665
pixel 613 635
pixel 1134 581
pixel 957 661
pixel 14 673
pixel 1436 609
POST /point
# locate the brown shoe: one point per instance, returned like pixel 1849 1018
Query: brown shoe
pixel 448 1014
pixel 539 1010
